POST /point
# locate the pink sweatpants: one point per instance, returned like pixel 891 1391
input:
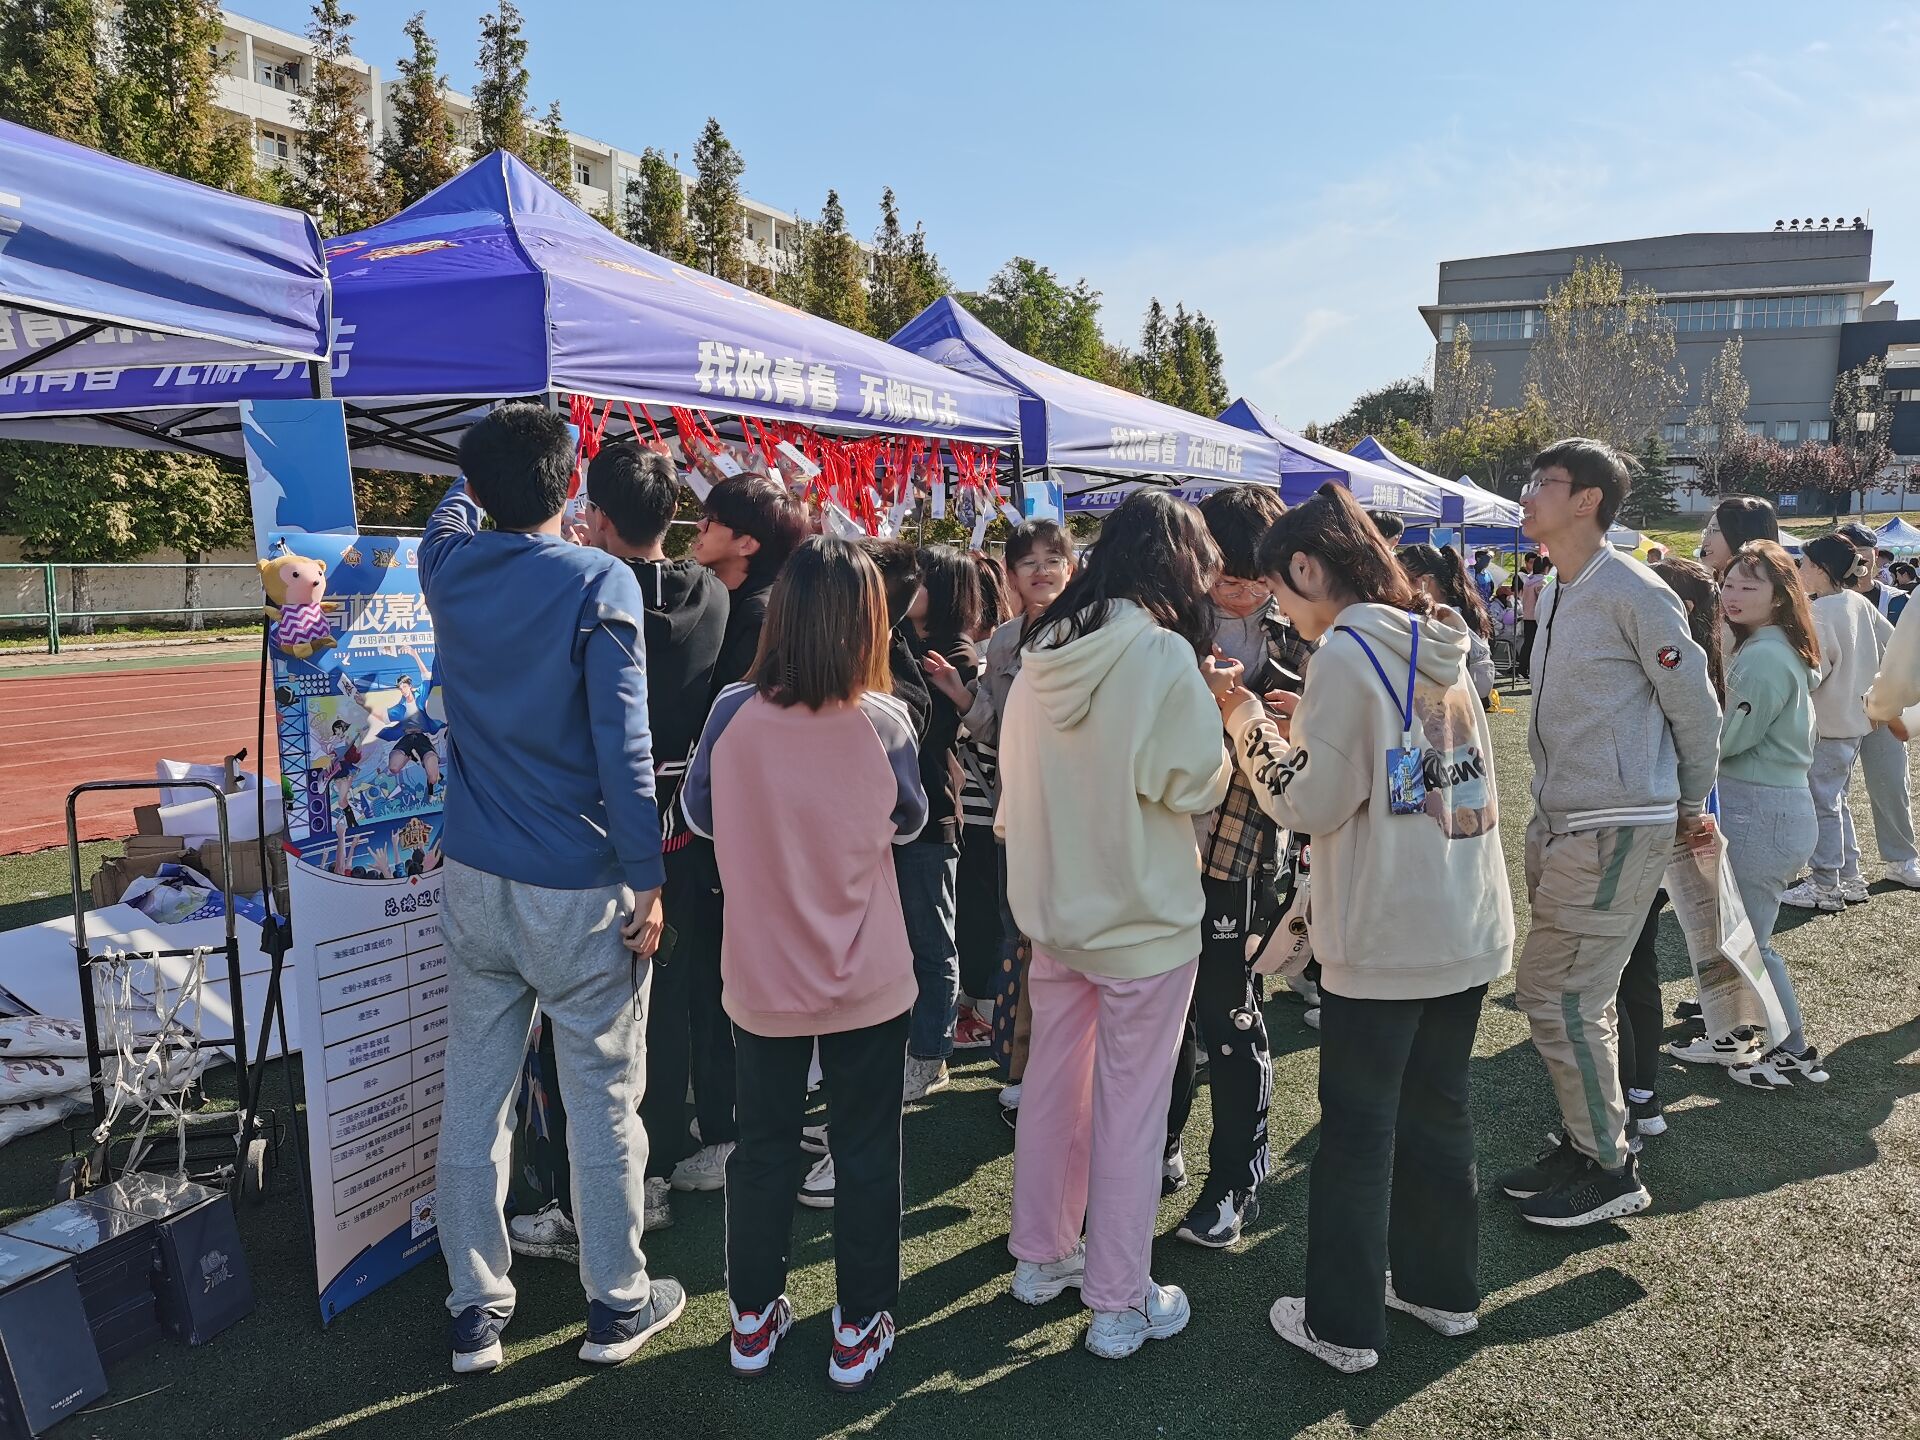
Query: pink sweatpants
pixel 1093 1122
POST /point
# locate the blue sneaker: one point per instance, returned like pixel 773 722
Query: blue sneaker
pixel 476 1341
pixel 613 1335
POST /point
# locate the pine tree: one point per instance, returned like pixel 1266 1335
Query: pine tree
pixel 907 276
pixel 500 108
pixel 1156 341
pixel 1212 393
pixel 714 211
pixel 333 179
pixel 1187 363
pixel 550 151
pixel 417 155
pixel 836 283
pixel 1651 498
pixel 49 67
pixel 160 109
pixel 656 209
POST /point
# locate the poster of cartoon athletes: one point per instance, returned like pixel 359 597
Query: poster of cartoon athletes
pixel 362 740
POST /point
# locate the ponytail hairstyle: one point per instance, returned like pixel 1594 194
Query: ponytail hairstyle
pixel 1332 528
pixel 1693 583
pixel 1153 550
pixel 1766 562
pixel 1446 569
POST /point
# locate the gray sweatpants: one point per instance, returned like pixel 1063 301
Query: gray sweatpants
pixel 510 946
pixel 1883 764
pixel 1836 856
pixel 1770 833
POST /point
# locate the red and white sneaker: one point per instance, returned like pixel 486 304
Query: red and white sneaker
pixel 970 1032
pixel 858 1350
pixel 757 1336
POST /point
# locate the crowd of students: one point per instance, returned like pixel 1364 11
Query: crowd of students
pixel 798 811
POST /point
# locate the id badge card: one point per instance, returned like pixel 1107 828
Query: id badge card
pixel 1406 781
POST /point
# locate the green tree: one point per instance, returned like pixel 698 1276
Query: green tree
pixel 79 505
pixel 550 151
pixel 714 212
pixel 159 110
pixel 1210 387
pixel 1604 357
pixel 501 113
pixel 1153 364
pixel 1650 501
pixel 1407 402
pixel 49 67
pixel 201 505
pixel 907 276
pixel 417 154
pixel 656 209
pixel 1721 416
pixel 1026 305
pixel 835 269
pixel 1495 447
pixel 332 177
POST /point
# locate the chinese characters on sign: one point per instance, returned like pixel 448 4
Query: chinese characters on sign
pixel 1162 447
pixel 744 373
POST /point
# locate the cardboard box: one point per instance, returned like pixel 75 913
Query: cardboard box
pixel 247 875
pixel 146 819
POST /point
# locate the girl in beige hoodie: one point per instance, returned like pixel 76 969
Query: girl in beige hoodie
pixel 1388 764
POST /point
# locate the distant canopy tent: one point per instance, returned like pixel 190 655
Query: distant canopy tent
pixel 108 269
pixel 1095 440
pixel 1898 536
pixel 497 287
pixel 1487 518
pixel 1375 486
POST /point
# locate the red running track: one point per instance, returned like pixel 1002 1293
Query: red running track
pixel 59 730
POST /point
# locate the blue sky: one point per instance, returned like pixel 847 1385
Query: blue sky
pixel 1296 171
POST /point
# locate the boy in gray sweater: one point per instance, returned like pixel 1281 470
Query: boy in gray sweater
pixel 1625 739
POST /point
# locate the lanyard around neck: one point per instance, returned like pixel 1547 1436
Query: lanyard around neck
pixel 1405 707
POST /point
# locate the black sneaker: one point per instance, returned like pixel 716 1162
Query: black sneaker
pixel 1780 1067
pixel 1216 1220
pixel 1646 1116
pixel 1588 1196
pixel 1688 1010
pixel 476 1341
pixel 613 1335
pixel 1549 1168
pixel 1173 1169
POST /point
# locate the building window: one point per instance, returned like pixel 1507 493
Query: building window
pixel 279 75
pixel 276 146
pixel 1791 312
pixel 1756 427
pixel 1819 429
pixel 1787 432
pixel 1692 317
pixel 1676 432
pixel 1491 325
pixel 627 175
pixel 582 173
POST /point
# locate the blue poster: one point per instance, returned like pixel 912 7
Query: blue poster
pixel 297 472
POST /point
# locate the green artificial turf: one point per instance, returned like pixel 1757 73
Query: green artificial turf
pixel 1771 1290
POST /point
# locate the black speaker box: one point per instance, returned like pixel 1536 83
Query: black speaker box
pixel 113 1257
pixel 49 1367
pixel 200 1278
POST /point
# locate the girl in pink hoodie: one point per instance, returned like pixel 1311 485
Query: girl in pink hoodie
pixel 806 777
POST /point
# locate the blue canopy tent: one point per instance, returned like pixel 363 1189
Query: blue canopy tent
pixel 1094 440
pixel 495 286
pixel 1374 486
pixel 1486 518
pixel 107 267
pixel 1898 536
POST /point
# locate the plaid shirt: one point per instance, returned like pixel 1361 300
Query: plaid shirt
pixel 1241 838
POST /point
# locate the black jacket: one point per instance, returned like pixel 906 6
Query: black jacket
pixel 685 621
pixel 746 613
pixel 910 686
pixel 939 748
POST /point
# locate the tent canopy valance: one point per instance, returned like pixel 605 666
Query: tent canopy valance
pixel 1898 536
pixel 1091 436
pixel 107 266
pixel 495 286
pixel 1462 503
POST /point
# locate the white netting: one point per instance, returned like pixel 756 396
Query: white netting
pixel 149 1047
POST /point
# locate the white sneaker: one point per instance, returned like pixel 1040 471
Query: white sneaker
pixel 1854 891
pixel 1303 987
pixel 1907 874
pixel 816 1191
pixel 1036 1282
pixel 859 1351
pixel 1312 1017
pixel 1289 1320
pixel 813 1139
pixel 546 1234
pixel 1715 1050
pixel 1451 1323
pixel 756 1337
pixel 1811 895
pixel 659 1208
pixel 1116 1334
pixel 923 1078
pixel 705 1169
pixel 1010 1096
pixel 1173 1170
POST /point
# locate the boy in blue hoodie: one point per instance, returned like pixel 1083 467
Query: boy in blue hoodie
pixel 553 875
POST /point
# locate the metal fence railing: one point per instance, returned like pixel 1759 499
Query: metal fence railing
pixel 21 582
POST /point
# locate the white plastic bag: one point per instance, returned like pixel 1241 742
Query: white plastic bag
pixel 1735 990
pixel 36 1037
pixel 24 1119
pixel 24 1080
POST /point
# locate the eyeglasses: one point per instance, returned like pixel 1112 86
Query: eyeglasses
pixel 1043 565
pixel 1241 589
pixel 1540 482
pixel 584 505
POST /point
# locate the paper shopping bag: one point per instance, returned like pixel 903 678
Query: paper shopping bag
pixel 1735 989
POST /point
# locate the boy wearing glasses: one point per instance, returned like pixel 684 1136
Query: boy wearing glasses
pixel 1625 740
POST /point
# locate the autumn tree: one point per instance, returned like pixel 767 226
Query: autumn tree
pixel 417 154
pixel 50 67
pixel 714 211
pixel 1462 385
pixel 1720 419
pixel 501 113
pixel 1603 358
pixel 1862 427
pixel 332 177
pixel 1495 447
pixel 158 107
pixel 655 209
pixel 550 151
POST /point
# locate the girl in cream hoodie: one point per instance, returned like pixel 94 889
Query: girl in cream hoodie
pixel 1388 764
pixel 1108 747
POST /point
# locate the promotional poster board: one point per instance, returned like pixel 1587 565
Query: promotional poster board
pixel 362 754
